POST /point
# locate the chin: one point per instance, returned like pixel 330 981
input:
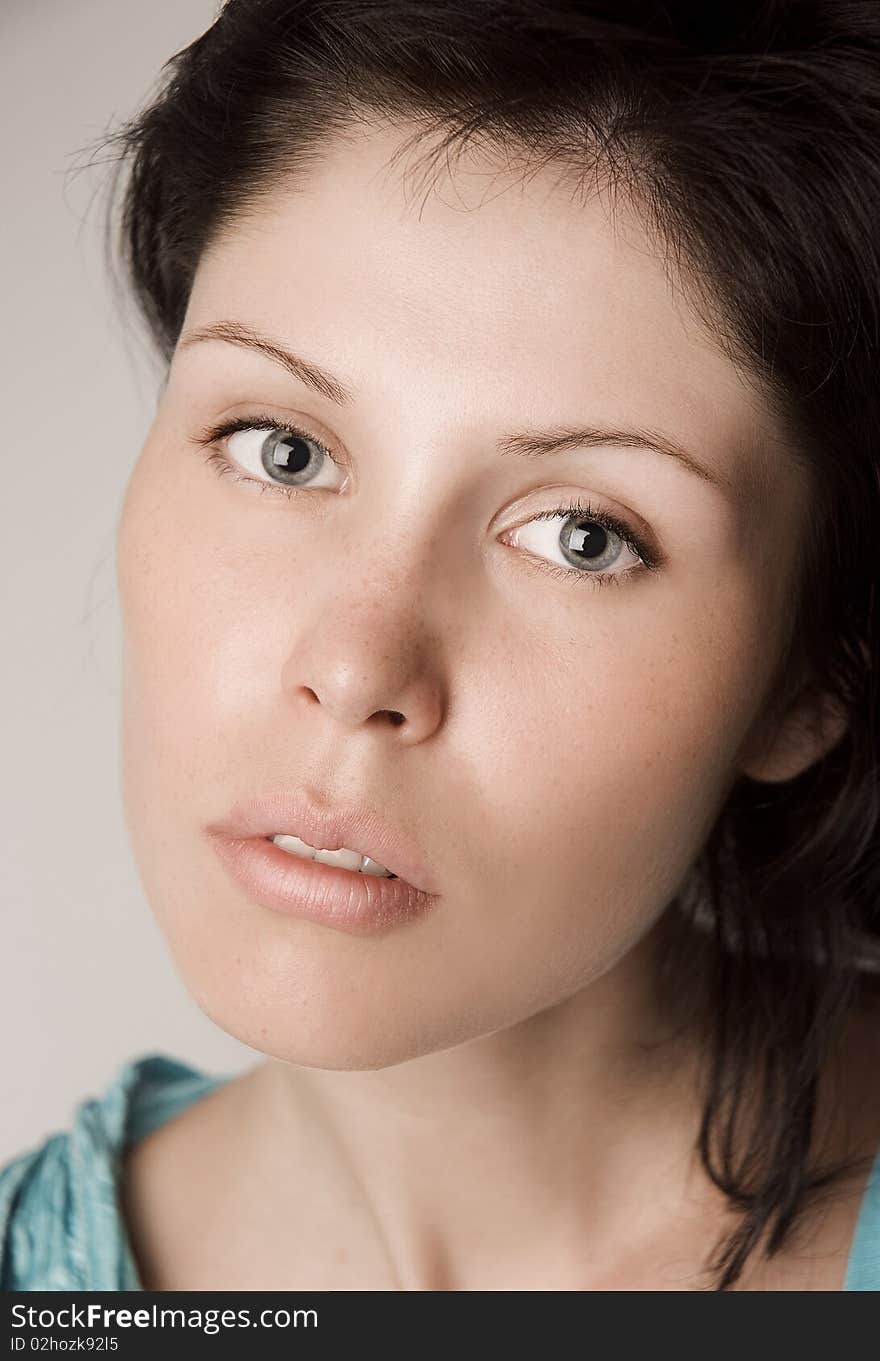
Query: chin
pixel 332 1045
pixel 335 1024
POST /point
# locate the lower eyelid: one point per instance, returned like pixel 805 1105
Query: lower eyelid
pixel 226 468
pixel 541 567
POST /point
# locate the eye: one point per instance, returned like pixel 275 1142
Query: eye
pixel 282 457
pixel 591 544
pixel 285 458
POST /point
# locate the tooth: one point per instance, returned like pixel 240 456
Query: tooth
pixel 347 860
pixel 372 867
pixel 293 844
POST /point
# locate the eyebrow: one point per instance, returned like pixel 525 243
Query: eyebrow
pixel 527 444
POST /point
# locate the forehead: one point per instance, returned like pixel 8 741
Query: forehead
pixel 511 295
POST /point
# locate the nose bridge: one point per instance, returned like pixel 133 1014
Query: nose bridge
pixel 386 553
pixel 404 525
pixel 387 571
pixel 372 640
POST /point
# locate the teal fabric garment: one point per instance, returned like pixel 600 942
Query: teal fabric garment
pixel 60 1226
pixel 863 1271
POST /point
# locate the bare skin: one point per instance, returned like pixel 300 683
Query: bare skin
pixel 252 1188
pixel 485 1097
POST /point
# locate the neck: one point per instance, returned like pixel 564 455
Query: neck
pixel 531 1145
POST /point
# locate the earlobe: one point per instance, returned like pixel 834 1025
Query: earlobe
pixel 788 746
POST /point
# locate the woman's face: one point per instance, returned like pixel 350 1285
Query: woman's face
pixel 567 745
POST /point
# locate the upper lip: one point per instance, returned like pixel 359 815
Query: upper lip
pixel 328 826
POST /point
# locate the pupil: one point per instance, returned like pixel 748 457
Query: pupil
pixel 588 540
pixel 277 453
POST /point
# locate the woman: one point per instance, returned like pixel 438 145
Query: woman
pixel 470 312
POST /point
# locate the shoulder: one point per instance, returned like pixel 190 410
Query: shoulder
pixel 60 1227
pixel 176 1183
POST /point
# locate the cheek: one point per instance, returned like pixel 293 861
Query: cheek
pixel 596 781
pixel 170 612
pixel 190 622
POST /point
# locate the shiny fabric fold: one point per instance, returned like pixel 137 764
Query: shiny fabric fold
pixel 60 1221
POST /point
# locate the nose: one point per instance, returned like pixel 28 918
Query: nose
pixel 352 703
pixel 359 678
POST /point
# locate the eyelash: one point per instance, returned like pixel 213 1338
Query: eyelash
pixel 573 508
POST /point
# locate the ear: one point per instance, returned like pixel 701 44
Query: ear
pixel 787 745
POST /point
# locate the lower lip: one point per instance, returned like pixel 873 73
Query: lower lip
pixel 362 904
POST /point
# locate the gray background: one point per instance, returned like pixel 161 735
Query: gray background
pixel 85 979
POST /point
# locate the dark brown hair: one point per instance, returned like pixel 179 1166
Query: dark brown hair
pixel 750 134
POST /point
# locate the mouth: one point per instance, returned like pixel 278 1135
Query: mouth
pixel 301 887
pixel 343 858
pixel 355 838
